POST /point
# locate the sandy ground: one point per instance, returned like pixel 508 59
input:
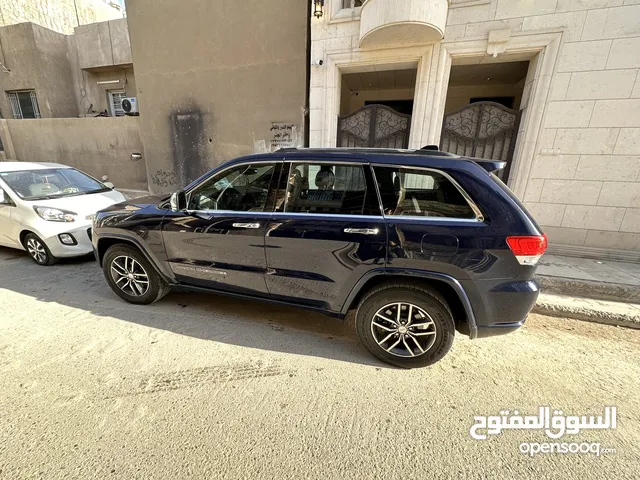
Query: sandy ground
pixel 210 387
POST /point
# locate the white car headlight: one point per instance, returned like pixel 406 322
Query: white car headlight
pixel 55 214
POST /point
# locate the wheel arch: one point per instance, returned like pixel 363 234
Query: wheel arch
pixel 448 287
pixel 103 243
pixel 23 236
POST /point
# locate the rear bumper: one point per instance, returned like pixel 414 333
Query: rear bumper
pixel 498 329
pixel 501 307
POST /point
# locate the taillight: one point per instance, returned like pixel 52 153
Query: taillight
pixel 528 249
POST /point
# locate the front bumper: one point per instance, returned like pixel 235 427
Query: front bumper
pixel 82 235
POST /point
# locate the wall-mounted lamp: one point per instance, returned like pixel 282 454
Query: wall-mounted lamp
pixel 318 6
pixel 107 82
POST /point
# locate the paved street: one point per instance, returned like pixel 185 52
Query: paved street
pixel 211 387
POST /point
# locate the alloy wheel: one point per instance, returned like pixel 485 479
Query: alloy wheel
pixel 36 250
pixel 403 329
pixel 129 276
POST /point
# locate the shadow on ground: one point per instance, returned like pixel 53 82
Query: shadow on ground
pixel 79 283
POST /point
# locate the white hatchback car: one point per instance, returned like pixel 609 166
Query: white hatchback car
pixel 47 209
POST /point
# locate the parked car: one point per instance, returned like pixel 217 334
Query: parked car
pixel 418 244
pixel 47 209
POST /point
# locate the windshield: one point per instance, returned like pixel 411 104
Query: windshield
pixel 51 183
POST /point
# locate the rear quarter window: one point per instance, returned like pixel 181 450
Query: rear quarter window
pixel 420 193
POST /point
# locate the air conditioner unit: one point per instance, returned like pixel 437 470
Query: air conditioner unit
pixel 130 106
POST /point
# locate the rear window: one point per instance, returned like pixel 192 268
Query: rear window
pixel 420 193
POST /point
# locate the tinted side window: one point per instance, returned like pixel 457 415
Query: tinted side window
pixel 420 193
pixel 239 189
pixel 326 188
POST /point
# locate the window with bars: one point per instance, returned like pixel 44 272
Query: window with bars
pixel 24 104
pixel 351 3
pixel 115 102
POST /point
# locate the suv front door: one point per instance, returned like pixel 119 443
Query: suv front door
pixel 325 233
pixel 218 242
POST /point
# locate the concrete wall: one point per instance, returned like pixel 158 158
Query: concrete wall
pixel 97 146
pixel 91 97
pixel 58 15
pixel 37 60
pixel 212 77
pixel 105 44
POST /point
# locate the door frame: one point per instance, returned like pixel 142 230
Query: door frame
pixel 541 49
pixel 325 109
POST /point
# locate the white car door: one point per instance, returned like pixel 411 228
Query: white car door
pixel 8 228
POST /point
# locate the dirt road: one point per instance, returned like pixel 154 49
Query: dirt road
pixel 211 387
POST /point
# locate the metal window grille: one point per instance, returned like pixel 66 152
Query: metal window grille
pixel 34 104
pixel 15 105
pixel 16 108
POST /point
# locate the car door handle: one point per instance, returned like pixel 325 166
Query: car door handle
pixel 362 231
pixel 246 225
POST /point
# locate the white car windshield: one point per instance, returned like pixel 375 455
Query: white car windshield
pixel 51 183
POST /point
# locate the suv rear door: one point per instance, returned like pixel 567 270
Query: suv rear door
pixel 432 224
pixel 325 233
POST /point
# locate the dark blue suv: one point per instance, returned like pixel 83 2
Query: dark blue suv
pixel 418 244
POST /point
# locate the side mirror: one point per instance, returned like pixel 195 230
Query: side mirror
pixel 109 185
pixel 178 201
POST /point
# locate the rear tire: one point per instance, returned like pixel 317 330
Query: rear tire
pixel 38 250
pixel 419 335
pixel 131 276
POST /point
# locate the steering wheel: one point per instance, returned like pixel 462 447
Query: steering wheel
pixel 228 199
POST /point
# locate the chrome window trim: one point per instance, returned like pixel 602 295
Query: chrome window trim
pixel 477 212
pixel 332 215
pixel 290 214
pixel 434 219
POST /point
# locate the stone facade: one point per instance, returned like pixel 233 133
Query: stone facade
pixel 577 159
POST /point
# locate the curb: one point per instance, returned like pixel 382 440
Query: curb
pixel 598 311
pixel 615 292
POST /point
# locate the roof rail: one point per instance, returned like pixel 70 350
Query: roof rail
pixel 429 150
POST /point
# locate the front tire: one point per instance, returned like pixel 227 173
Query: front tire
pixel 405 325
pixel 131 276
pixel 38 250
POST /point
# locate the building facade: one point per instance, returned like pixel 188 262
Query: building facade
pixel 61 97
pixel 61 16
pixel 550 86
